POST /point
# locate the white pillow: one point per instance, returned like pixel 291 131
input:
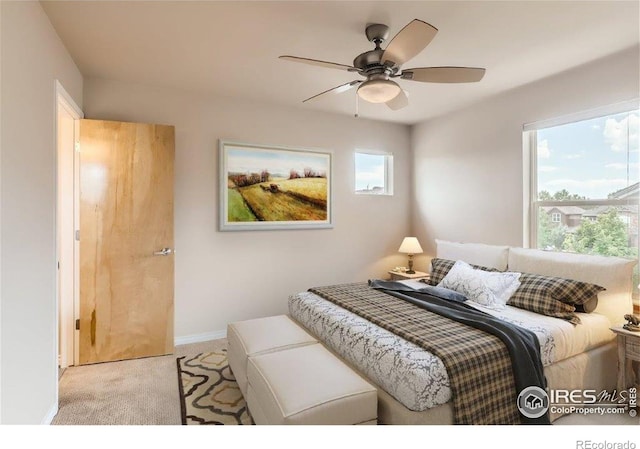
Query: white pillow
pixel 490 289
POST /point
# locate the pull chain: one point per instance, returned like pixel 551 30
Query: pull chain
pixel 356 114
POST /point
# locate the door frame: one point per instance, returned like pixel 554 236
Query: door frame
pixel 68 333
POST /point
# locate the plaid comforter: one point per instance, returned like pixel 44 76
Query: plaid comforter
pixel 479 366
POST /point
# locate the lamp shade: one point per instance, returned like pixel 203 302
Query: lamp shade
pixel 410 245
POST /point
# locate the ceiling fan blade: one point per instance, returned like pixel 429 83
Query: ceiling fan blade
pixel 316 62
pixel 335 90
pixel 399 101
pixel 444 74
pixel 409 41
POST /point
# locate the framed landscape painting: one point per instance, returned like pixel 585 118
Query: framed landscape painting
pixel 268 187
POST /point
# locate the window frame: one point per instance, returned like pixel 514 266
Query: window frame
pixel 388 172
pixel 530 133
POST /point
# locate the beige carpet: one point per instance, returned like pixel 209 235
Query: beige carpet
pixel 141 391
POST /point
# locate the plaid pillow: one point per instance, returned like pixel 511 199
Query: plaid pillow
pixel 440 268
pixel 552 296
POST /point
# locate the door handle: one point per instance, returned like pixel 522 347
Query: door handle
pixel 164 252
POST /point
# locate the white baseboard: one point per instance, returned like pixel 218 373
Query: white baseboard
pixel 49 416
pixel 197 338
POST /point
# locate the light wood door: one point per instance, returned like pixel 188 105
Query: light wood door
pixel 126 215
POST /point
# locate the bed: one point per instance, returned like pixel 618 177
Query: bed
pixel 413 383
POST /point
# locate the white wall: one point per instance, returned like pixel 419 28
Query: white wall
pixel 226 276
pixel 32 58
pixel 468 167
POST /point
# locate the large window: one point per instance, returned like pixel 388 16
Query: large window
pixel 373 173
pixel 584 184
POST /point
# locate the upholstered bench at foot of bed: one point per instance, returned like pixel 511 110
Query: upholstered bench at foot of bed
pixel 261 336
pixel 308 385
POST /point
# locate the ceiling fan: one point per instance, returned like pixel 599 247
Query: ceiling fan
pixel 379 66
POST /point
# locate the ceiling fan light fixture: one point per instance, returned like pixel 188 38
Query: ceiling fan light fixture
pixel 378 91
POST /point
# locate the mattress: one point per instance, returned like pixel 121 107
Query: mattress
pixel 413 376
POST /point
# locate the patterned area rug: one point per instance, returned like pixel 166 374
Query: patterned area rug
pixel 209 393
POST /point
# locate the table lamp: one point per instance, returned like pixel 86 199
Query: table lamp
pixel 410 246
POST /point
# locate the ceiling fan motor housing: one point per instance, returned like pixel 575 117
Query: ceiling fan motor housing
pixel 369 64
pixel 368 59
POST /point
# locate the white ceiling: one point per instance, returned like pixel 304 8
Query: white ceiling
pixel 232 48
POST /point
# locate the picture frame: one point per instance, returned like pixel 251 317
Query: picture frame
pixel 266 187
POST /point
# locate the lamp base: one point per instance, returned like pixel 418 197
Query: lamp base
pixel 410 270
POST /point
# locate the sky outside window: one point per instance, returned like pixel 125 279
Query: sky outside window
pixel 592 158
pixel 370 171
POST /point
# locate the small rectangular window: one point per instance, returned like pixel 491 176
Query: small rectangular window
pixel 373 173
pixel 555 217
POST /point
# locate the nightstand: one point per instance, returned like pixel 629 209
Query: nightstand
pixel 628 349
pixel 399 276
